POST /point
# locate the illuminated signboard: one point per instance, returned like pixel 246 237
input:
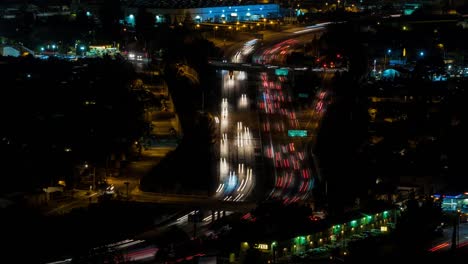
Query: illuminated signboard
pixel 303 95
pixel 262 246
pixel 297 133
pixel 281 72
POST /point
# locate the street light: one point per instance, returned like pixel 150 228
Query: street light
pixel 389 51
pixel 53 48
pixel 273 249
pixel 93 186
pixel 214 32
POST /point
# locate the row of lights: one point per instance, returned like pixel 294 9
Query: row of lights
pixel 53 46
pixel 421 53
pixel 238 23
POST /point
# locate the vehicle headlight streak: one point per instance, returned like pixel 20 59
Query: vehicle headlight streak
pixel 224 115
pixel 244 137
pixel 224 167
pixel 236 147
pixel 224 146
pixel 243 102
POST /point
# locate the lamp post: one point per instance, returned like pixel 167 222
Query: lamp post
pixel 456 231
pixel 458 226
pixel 93 186
pixel 126 184
pixel 344 238
pixel 273 249
pixel 389 51
pixel 214 32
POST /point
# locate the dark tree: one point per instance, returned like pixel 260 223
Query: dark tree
pixel 145 22
pixel 110 14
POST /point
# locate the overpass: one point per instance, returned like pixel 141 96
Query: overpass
pixel 253 67
pixel 196 201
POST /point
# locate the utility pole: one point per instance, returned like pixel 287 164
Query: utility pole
pixel 344 238
pixel 94 178
pixel 458 226
pixel 455 232
pixel 203 100
pixel 195 227
pixel 126 184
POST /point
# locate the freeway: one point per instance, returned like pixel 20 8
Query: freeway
pixel 263 128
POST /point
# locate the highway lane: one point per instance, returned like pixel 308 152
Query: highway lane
pixel 236 147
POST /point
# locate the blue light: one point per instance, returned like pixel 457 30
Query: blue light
pixel 88 13
pixel 231 183
pixel 131 16
pixel 389 51
pixel 42 48
pixel 82 48
pixel 53 46
pixel 421 53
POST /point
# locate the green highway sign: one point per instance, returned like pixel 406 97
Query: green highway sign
pixel 297 133
pixel 282 72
